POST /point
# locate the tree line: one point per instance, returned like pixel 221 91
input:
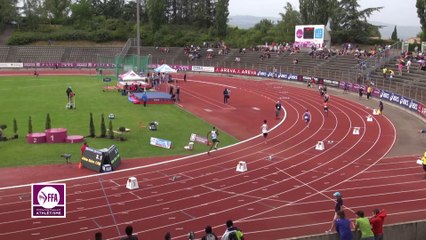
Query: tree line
pixel 182 22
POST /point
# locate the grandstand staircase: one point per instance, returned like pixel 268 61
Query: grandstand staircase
pixel 179 52
pixel 8 31
pixel 67 55
pixel 11 57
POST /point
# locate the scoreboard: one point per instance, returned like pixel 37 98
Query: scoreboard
pixel 94 159
pixel 306 36
pixel 112 156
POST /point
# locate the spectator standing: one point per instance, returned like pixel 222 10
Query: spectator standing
pixel 391 74
pixel 98 236
pixel 400 67
pixel 385 70
pixel 68 91
pixel 343 226
pixel 129 233
pixel 363 225
pixel 209 234
pixel 83 147
pixel 360 92
pixel 178 94
pixel 231 232
pixel 337 208
pixel 278 107
pixel 376 222
pixel 408 65
pixel 369 91
pixel 144 98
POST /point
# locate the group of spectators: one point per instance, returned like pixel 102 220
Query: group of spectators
pixel 369 228
pixel 231 233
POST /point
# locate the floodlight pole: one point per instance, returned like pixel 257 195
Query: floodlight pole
pixel 138 32
pixel 138 26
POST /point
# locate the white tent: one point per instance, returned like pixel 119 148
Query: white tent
pixel 165 69
pixel 130 76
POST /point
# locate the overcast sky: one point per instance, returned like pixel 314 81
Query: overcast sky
pixel 395 12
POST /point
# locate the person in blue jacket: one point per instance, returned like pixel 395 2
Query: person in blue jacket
pixel 144 98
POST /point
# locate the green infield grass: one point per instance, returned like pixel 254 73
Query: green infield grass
pixel 24 97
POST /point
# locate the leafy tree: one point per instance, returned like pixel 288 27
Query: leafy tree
pixel 421 12
pixel 316 11
pixel 221 18
pixel 15 128
pixel 33 12
pixel 350 24
pixel 91 126
pixel 264 26
pixel 48 122
pixel 8 11
pixel 111 132
pixel 113 8
pixel 103 127
pixel 394 35
pixel 57 10
pixel 203 13
pixel 82 12
pixel 289 20
pixel 30 125
pixel 156 13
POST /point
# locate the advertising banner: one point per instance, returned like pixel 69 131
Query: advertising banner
pixel 385 95
pixel 395 98
pixel 197 138
pixel 161 142
pixel 237 71
pixel 202 69
pixel 11 65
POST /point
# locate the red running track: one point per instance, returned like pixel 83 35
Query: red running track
pixel 287 197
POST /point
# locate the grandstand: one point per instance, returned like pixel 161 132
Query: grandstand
pixel 4 51
pixel 336 67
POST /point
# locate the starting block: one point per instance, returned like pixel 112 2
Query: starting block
pixel 355 131
pixel 376 112
pixel 241 167
pixel 132 183
pixel 190 146
pixel 369 118
pixel 320 146
pixel 419 161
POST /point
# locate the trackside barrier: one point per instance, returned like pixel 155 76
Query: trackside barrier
pixel 409 230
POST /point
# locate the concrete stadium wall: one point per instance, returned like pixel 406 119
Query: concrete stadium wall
pixel 404 231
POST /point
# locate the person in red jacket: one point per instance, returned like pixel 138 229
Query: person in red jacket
pixel 83 147
pixel 377 223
